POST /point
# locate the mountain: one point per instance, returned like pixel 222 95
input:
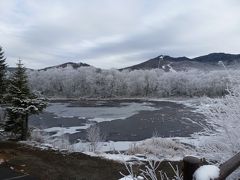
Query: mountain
pixel 68 64
pixel 214 58
pixel 206 62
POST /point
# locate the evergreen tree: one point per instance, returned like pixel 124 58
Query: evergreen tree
pixel 3 79
pixel 21 103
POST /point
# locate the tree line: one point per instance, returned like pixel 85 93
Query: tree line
pixel 98 83
pixel 17 100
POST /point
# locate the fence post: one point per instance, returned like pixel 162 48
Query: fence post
pixel 190 165
pixel 229 166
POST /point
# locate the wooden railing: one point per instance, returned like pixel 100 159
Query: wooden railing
pixel 191 164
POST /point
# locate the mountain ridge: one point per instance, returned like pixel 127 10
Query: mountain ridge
pixel 182 63
pixel 67 64
pixel 167 63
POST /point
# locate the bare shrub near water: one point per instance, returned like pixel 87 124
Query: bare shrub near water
pixel 38 135
pixel 62 142
pixel 160 147
pixel 95 137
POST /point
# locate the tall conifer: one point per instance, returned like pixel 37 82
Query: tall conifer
pixel 3 79
pixel 21 103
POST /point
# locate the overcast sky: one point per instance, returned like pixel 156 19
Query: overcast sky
pixel 115 33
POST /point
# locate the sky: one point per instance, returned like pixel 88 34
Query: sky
pixel 115 33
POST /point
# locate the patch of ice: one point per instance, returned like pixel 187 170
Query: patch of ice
pixel 206 172
pixel 99 114
pixel 68 116
pixel 104 119
pixel 59 131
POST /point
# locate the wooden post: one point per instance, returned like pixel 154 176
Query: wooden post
pixel 229 166
pixel 190 165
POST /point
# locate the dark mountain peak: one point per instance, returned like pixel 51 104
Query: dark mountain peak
pixel 169 58
pixel 167 63
pixel 161 61
pixel 216 57
pixel 68 64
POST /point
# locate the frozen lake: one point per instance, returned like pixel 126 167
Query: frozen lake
pixel 119 120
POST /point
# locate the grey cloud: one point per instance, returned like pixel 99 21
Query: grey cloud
pixel 113 34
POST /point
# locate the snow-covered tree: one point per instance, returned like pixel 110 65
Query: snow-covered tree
pixel 95 137
pixel 21 103
pixel 3 79
pixel 92 82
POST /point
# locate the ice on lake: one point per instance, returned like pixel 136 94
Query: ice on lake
pixel 99 114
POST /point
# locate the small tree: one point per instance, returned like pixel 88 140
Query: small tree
pixel 21 103
pixel 95 137
pixel 3 79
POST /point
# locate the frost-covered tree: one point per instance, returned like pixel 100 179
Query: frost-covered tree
pixel 224 120
pixel 21 103
pixel 95 137
pixel 92 82
pixel 3 79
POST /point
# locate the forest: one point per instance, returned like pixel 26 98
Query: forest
pixel 97 83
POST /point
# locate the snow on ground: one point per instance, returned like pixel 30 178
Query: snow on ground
pixel 117 157
pixel 59 131
pixel 132 178
pixel 103 146
pixel 206 172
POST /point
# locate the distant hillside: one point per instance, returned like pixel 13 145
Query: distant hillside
pixel 205 62
pixel 168 63
pixel 12 69
pixel 214 58
pixel 68 64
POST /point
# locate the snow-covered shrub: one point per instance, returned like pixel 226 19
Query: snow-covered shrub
pixel 160 147
pixel 38 135
pixel 62 142
pixel 150 172
pixel 224 124
pixel 95 137
pixel 224 119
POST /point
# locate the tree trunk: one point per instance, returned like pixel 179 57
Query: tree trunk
pixel 25 128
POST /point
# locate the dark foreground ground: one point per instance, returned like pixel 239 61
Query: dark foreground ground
pixel 33 163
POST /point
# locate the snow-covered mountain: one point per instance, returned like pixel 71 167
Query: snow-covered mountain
pixel 206 62
pixel 168 63
pixel 68 64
